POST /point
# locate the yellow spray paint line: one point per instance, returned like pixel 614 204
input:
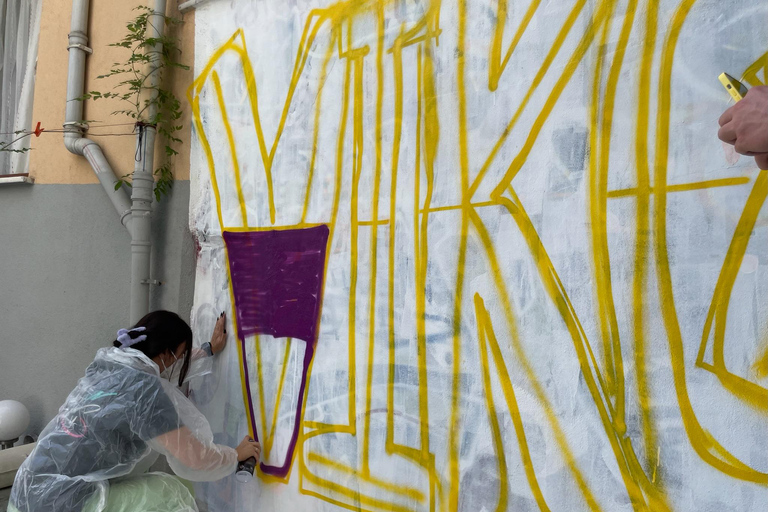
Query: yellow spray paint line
pixel 597 216
pixel 496 66
pixel 656 498
pixel 196 87
pixel 522 358
pixel 353 255
pixel 599 207
pixel 208 154
pixel 684 187
pixel 420 39
pixel 455 416
pixel 403 490
pixel 642 232
pixel 750 75
pixel 604 9
pixel 260 373
pixel 431 126
pixel 484 329
pixel 455 207
pixel 419 297
pixel 428 118
pixel 557 45
pixel 302 56
pixel 232 147
pixel 488 340
pixel 493 421
pixel 431 131
pixel 703 443
pixel 356 63
pixel 350 427
pixel 397 62
pixel 253 97
pixel 250 80
pixel 316 123
pixel 559 297
pixel 453 501
pixel 373 261
pixel 271 436
pixel 751 393
pixel 358 499
pixel 391 446
pixel 420 456
pixel 761 364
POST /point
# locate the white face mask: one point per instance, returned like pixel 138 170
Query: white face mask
pixel 168 371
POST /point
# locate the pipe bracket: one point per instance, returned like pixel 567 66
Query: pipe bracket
pixel 76 124
pixel 79 46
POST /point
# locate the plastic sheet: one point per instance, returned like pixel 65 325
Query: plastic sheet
pixel 120 414
pixel 148 492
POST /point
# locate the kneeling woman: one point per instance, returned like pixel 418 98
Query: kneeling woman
pixel 93 455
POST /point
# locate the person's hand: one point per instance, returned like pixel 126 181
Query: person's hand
pixel 745 125
pixel 219 337
pixel 248 448
pixel 762 161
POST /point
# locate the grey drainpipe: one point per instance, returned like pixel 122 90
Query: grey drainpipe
pixel 136 213
pixel 74 129
pixel 143 180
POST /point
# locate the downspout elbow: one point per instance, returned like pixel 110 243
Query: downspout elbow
pixel 75 142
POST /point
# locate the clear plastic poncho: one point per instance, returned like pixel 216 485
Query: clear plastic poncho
pixel 115 422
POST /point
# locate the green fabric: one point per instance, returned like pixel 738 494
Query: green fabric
pixel 153 492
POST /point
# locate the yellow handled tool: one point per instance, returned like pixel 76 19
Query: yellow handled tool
pixel 736 89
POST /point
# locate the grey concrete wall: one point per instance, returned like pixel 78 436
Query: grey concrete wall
pixel 64 284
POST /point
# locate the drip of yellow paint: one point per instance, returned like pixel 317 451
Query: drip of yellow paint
pixel 761 365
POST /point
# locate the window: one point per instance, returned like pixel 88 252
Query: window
pixel 19 31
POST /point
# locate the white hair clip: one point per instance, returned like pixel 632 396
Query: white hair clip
pixel 124 337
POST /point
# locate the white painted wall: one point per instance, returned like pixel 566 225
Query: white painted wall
pixel 693 441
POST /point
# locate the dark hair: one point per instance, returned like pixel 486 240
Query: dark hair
pixel 165 331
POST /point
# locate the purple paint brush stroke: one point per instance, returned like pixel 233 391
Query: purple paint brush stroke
pixel 277 280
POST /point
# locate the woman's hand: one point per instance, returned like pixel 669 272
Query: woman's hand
pixel 219 337
pixel 745 125
pixel 248 448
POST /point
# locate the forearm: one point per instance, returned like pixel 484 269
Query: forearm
pixel 194 460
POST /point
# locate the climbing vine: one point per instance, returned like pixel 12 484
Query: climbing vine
pixel 136 94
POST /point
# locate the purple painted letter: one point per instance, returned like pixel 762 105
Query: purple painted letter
pixel 277 280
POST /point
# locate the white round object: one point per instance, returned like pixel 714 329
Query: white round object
pixel 14 419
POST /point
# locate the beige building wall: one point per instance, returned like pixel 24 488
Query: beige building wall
pixel 50 162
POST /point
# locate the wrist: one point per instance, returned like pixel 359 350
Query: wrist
pixel 207 348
